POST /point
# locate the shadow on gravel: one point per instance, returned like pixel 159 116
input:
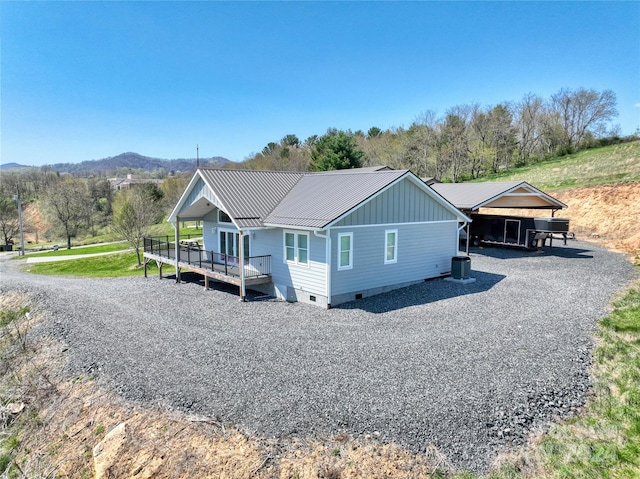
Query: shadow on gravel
pixel 505 252
pixel 424 293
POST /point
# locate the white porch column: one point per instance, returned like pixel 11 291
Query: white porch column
pixel 177 248
pixel 243 291
pixel 329 254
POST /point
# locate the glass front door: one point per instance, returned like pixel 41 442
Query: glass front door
pixel 230 245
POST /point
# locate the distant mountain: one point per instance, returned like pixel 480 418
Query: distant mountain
pixel 12 166
pixel 135 161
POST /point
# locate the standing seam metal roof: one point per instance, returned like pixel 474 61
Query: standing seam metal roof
pixel 248 195
pixel 307 200
pixel 319 198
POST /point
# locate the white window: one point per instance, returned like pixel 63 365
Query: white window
pixel 390 246
pixel 345 251
pixel 296 247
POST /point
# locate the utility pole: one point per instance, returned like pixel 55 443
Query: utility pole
pixel 197 156
pixel 17 198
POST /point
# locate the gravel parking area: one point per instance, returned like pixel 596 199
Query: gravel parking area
pixel 469 368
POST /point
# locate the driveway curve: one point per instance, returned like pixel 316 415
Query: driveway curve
pixel 468 368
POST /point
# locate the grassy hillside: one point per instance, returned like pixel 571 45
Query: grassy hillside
pixel 598 166
pixel 600 188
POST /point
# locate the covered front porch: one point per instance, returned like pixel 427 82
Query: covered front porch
pixel 187 254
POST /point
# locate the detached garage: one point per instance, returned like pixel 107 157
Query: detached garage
pixel 527 232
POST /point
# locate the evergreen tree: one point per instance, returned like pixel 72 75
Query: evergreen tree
pixel 336 150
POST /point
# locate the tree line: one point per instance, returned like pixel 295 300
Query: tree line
pixel 468 141
pixel 74 207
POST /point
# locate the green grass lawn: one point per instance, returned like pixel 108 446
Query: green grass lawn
pixel 100 248
pixel 598 166
pixel 166 229
pixel 109 266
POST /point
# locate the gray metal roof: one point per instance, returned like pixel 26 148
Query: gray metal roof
pixel 254 199
pixel 357 170
pixel 248 196
pixel 320 198
pixel 472 196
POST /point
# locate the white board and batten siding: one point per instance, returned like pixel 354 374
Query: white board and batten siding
pixel 199 191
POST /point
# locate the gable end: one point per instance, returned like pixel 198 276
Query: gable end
pixel 403 202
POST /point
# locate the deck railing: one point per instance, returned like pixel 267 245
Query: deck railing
pixel 193 254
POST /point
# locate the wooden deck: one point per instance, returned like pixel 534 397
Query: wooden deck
pixel 191 259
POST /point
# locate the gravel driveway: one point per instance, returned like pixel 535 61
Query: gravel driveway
pixel 469 368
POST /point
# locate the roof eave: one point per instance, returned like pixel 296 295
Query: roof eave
pixel 537 191
pixel 185 194
pixel 292 227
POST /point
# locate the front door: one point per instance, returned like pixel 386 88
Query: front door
pixel 230 245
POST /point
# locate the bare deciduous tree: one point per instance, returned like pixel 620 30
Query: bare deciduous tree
pixel 9 226
pixel 529 125
pixel 66 203
pixel 137 212
pixel 455 139
pixel 581 111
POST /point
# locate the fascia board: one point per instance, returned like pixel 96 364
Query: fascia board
pixel 291 227
pixel 416 181
pixel 356 207
pixel 532 189
pixel 187 192
pixel 439 198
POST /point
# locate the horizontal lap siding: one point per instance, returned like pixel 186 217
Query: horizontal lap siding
pixel 311 278
pixel 424 251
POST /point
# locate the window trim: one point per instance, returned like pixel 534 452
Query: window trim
pixel 339 248
pixel 296 247
pixel 395 246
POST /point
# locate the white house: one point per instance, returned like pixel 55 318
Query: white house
pixel 323 238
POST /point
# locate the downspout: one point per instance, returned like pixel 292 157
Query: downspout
pixel 241 265
pixel 176 227
pixel 327 253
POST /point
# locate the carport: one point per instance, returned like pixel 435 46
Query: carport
pixel 502 229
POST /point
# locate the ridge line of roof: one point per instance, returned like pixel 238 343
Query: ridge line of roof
pixel 350 171
pixel 213 168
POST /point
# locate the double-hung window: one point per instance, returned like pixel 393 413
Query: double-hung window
pixel 296 247
pixel 390 246
pixel 345 251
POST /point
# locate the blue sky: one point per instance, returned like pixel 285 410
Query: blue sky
pixel 87 80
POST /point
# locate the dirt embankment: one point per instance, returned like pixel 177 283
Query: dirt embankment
pixel 608 214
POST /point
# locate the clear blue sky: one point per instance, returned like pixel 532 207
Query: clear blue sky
pixel 87 80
